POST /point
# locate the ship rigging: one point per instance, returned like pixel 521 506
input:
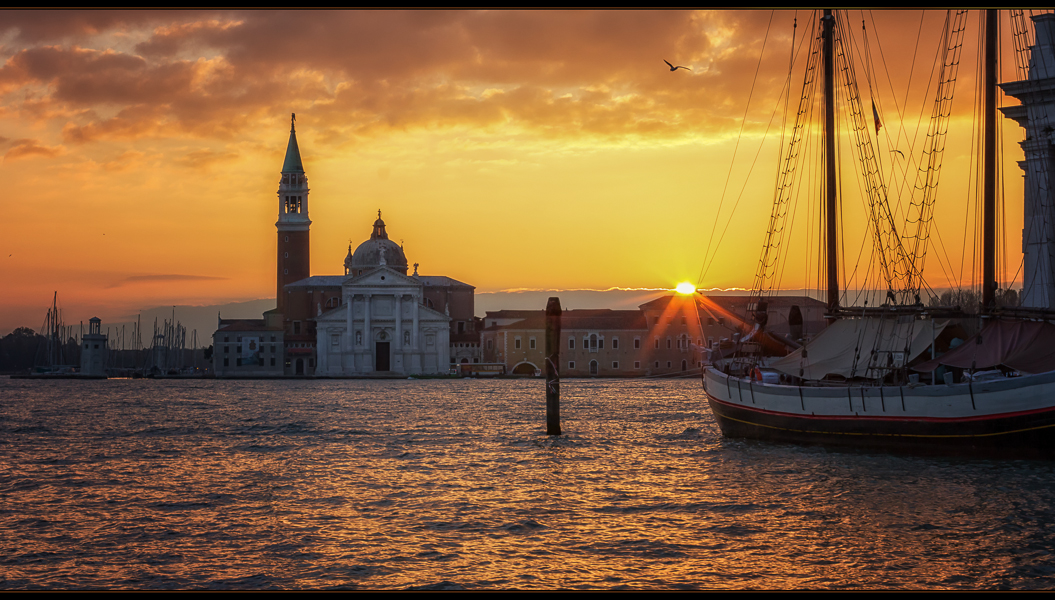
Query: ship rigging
pixel 858 382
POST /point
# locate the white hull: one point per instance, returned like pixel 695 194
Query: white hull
pixel 1002 414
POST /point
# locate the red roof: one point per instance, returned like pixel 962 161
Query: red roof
pixel 597 318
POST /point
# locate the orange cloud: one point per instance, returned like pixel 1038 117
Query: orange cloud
pixel 42 26
pixel 559 73
pixel 26 148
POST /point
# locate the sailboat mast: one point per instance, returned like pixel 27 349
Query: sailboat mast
pixel 989 182
pixel 829 162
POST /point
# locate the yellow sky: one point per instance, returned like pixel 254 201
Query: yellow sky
pixel 543 149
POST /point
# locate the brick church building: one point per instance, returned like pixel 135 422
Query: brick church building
pixel 374 320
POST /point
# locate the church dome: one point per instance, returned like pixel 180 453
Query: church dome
pixel 377 251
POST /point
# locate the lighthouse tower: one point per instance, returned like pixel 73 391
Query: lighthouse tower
pixel 93 356
pixel 293 222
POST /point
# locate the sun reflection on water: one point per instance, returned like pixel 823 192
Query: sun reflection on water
pixel 453 484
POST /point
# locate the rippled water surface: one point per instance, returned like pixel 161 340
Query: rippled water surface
pixel 452 484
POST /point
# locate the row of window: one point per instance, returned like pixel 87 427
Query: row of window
pixel 681 343
pixel 259 362
pixel 593 365
pixel 335 338
pixel 637 365
pixel 263 348
pixel 593 343
pixel 247 362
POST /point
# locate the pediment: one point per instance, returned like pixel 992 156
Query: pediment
pixel 382 277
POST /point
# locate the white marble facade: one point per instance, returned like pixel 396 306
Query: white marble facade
pixel 382 328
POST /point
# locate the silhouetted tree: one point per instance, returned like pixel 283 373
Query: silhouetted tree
pixel 18 350
pixel 971 301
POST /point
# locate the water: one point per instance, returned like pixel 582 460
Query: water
pixel 453 485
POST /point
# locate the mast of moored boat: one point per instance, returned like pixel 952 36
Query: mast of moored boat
pixel 989 181
pixel 829 164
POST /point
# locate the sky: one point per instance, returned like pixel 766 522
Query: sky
pixel 510 150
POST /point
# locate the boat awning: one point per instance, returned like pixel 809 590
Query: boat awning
pixel 1026 346
pixel 845 348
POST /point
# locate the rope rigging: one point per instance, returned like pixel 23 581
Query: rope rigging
pixel 896 266
pixel 920 215
pixel 765 275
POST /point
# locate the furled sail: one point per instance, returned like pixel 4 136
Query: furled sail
pixel 1026 346
pixel 867 347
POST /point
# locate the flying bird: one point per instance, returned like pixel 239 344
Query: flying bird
pixel 673 68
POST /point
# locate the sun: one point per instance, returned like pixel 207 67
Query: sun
pixel 685 288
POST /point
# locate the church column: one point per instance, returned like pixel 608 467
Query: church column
pixel 399 321
pixel 366 322
pixel 414 334
pixel 349 343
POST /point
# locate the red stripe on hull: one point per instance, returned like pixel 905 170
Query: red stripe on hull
pixel 1038 411
pixel 1030 433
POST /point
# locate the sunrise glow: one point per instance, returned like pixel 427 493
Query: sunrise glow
pixel 537 149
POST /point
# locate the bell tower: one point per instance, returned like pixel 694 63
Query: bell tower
pixel 293 222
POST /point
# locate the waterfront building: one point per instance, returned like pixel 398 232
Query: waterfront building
pixel 248 348
pixel 456 300
pixel 373 320
pixel 668 336
pixel 594 342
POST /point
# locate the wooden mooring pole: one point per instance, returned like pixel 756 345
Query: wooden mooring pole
pixel 552 371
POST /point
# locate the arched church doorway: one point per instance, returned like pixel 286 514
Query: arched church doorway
pixel 593 367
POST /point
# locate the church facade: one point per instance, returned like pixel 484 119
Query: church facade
pixel 382 326
pixel 375 320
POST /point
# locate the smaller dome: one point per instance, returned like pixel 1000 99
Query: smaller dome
pixel 376 251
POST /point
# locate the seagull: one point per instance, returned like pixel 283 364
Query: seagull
pixel 673 68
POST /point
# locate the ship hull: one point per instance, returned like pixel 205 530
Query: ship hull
pixel 1008 416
